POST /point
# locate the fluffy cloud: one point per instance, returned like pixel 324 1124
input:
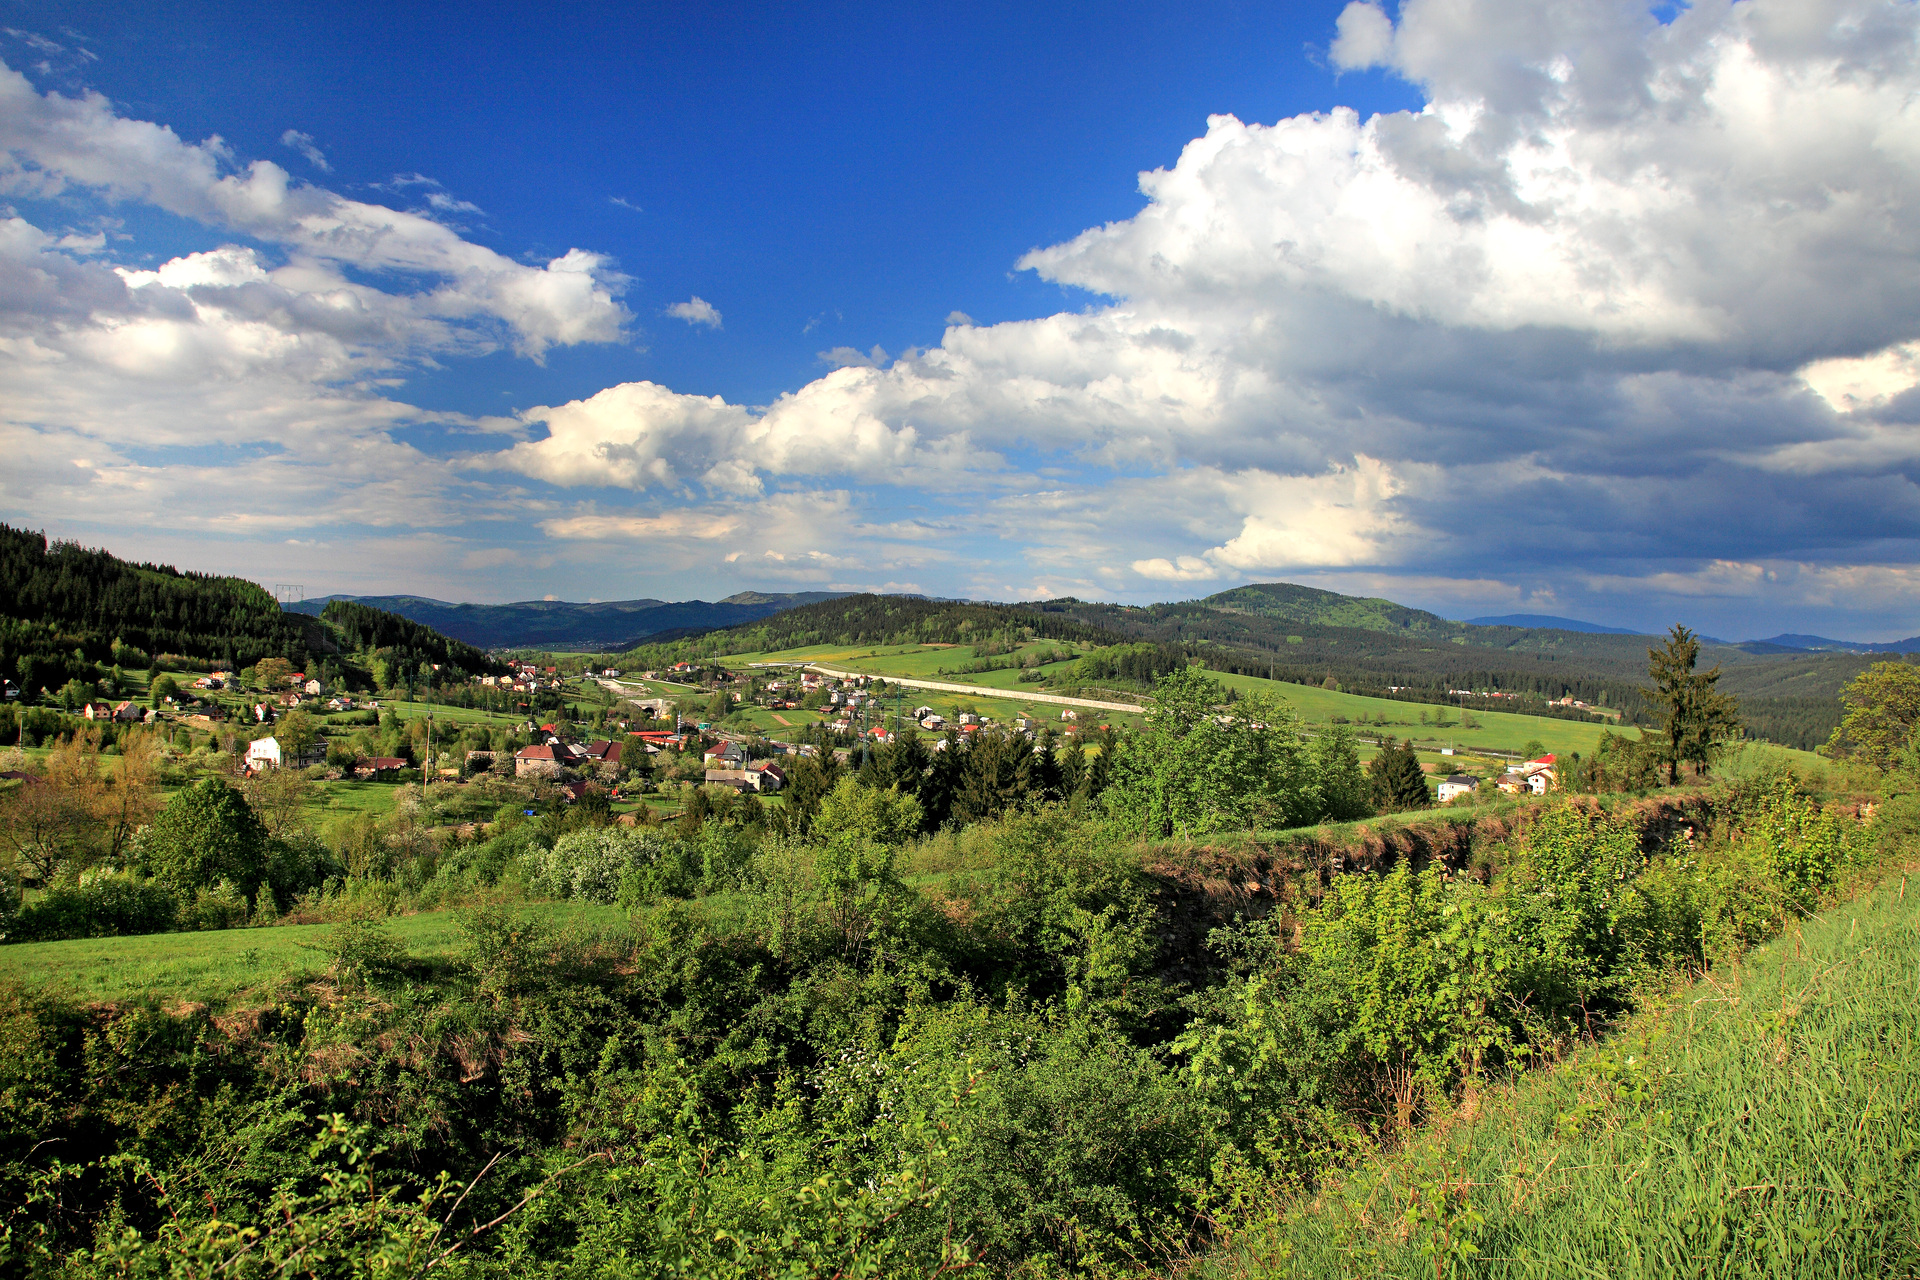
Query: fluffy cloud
pixel 696 310
pixel 51 144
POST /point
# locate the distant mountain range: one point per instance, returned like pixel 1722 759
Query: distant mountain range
pixel 608 625
pixel 1821 644
pixel 1550 622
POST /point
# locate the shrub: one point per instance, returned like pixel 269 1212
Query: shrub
pixel 361 951
pixel 107 907
pixel 591 864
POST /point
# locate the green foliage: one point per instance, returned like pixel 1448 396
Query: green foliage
pixel 1808 846
pixel 1395 780
pixel 206 833
pixel 851 1050
pixel 360 951
pixel 1695 719
pixel 1345 791
pixel 1194 770
pixel 1408 972
pixel 411 645
pixel 59 596
pixel 867 814
pixel 104 906
pixel 1882 714
pixel 1765 1136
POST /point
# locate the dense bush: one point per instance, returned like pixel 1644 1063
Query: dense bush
pixel 100 908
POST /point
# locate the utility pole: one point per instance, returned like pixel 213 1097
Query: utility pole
pixel 427 775
pixel 866 723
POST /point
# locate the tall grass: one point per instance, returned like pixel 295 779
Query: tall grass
pixel 1765 1122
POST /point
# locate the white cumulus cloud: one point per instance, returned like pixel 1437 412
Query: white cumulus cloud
pixel 696 310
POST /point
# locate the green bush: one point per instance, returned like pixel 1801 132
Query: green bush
pixel 102 908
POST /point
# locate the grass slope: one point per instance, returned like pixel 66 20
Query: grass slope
pixel 1765 1122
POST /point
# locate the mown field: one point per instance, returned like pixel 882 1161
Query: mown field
pixel 1764 1122
pixel 219 967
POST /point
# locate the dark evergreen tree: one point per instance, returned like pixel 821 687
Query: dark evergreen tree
pixel 1396 780
pixel 1695 718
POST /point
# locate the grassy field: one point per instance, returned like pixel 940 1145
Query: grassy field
pixel 406 710
pixel 1762 1123
pixel 350 796
pixel 999 699
pixel 1496 731
pixel 220 967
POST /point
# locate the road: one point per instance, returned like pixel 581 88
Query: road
pixel 1012 695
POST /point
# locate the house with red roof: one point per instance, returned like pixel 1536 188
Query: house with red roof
pixel 547 759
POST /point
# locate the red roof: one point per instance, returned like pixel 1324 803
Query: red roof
pixel 1546 759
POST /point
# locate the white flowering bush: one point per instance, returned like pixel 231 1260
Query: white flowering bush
pixel 589 863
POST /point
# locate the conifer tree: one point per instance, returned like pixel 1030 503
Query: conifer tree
pixel 1396 779
pixel 1696 720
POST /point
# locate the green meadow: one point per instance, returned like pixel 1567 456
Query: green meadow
pixel 222 967
pixel 1503 732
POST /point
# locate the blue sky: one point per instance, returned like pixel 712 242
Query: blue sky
pixel 838 176
pixel 1438 301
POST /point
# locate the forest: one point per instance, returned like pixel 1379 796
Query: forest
pixel 364 628
pixel 870 620
pixel 65 609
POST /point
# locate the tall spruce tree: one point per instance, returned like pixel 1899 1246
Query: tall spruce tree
pixel 1396 779
pixel 1696 719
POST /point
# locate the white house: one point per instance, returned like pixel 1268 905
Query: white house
pixel 264 753
pixel 1459 784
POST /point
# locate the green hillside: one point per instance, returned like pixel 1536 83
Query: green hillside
pixel 67 610
pixel 1760 1124
pixel 1289 603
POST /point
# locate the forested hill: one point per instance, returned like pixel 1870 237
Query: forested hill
pixel 568 624
pixel 878 620
pixel 1286 602
pixel 58 597
pixel 366 629
pixel 1293 607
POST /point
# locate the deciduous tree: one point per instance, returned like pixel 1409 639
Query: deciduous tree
pixel 207 833
pixel 1883 713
